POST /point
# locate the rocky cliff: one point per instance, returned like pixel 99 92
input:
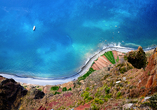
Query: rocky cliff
pixel 11 94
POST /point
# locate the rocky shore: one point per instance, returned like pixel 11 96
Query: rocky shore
pixel 130 83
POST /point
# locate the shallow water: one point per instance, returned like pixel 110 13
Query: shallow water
pixel 68 32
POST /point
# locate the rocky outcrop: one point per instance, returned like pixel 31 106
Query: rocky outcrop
pixel 137 58
pixel 38 94
pixel 11 93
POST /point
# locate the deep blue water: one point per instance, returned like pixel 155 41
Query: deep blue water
pixel 68 32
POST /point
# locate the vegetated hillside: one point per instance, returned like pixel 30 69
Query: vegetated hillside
pixel 123 85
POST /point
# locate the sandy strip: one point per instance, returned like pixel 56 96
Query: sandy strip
pixel 82 71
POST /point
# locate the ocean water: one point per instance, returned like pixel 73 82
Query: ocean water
pixel 68 32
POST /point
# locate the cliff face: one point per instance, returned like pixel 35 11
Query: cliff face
pixel 10 94
pixel 149 77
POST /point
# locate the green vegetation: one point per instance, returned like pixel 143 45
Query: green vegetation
pixel 110 57
pixel 152 102
pixel 122 70
pixel 40 89
pixel 117 60
pixel 118 94
pixel 57 93
pixel 108 96
pixel 87 89
pixel 107 90
pixel 86 75
pixel 125 57
pixel 54 88
pixel 69 89
pixel 64 89
pixel 98 101
pixel 94 107
pixel 96 59
pixel 86 96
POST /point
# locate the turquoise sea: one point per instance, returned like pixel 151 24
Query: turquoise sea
pixel 68 32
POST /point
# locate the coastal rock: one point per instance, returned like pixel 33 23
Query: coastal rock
pixel 38 94
pixel 10 94
pixel 137 58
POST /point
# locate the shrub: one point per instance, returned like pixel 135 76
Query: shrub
pixel 94 107
pixel 153 101
pixel 87 89
pixel 99 101
pixel 125 57
pixel 69 89
pixel 89 98
pixel 85 95
pixel 57 93
pixel 118 94
pixel 40 89
pixel 108 95
pixel 97 94
pixel 107 90
pixel 106 99
pixel 86 75
pixel 54 88
pixel 64 89
pixel 123 70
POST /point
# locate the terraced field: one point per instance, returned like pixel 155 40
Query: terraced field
pixel 108 58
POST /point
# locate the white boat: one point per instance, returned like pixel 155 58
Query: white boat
pixel 34 28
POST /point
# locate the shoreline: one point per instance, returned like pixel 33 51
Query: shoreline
pixel 82 71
